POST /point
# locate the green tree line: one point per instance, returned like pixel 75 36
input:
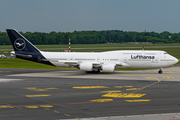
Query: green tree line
pixel 95 37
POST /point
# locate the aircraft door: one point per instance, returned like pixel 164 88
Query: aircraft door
pixel 156 60
pixel 152 60
pixel 98 59
pixel 125 60
pixel 71 58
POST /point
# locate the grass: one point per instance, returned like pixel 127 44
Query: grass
pixel 19 63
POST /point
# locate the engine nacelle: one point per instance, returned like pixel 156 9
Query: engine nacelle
pixel 108 68
pixel 86 66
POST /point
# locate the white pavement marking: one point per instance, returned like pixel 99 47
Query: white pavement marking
pixel 168 116
pixel 118 75
pixel 7 80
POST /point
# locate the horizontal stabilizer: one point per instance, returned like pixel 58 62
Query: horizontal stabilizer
pixel 27 56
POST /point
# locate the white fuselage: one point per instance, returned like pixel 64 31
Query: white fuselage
pixel 121 58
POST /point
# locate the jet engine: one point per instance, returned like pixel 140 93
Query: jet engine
pixel 86 66
pixel 108 68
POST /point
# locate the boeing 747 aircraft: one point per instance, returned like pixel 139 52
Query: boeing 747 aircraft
pixel 91 61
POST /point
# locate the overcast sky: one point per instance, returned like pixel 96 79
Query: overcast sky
pixel 79 15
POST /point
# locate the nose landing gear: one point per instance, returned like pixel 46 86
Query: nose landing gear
pixel 160 71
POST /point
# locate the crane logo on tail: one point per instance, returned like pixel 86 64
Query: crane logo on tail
pixel 19 44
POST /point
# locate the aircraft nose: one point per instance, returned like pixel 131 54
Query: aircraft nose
pixel 176 60
pixel 173 60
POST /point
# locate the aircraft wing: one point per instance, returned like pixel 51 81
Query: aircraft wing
pixel 77 62
pixel 121 64
pixel 70 62
pixel 95 64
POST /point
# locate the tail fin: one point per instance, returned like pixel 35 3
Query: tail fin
pixel 19 42
pixel 25 49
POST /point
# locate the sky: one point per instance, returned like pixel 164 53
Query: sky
pixel 88 15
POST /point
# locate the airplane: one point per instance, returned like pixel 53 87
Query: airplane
pixel 91 62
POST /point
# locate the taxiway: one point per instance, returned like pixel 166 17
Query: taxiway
pixel 56 94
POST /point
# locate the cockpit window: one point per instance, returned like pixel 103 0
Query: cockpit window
pixel 165 53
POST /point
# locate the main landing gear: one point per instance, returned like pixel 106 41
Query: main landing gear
pixel 96 71
pixel 160 71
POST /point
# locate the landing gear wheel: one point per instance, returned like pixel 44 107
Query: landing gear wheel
pixel 87 71
pixel 93 72
pixel 160 71
pixel 97 71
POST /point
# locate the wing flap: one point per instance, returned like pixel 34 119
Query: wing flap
pixel 121 64
pixel 95 64
pixel 68 62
